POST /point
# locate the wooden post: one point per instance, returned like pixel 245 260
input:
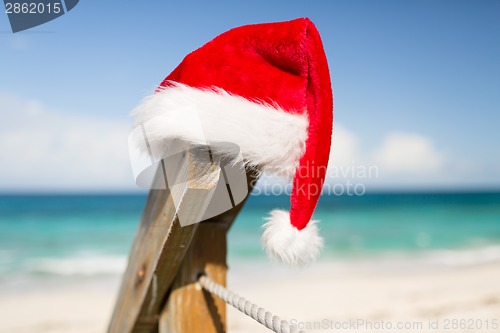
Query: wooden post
pixel 164 260
pixel 189 308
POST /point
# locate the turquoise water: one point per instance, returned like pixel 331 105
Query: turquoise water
pixel 91 235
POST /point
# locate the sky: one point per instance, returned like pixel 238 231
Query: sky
pixel 416 86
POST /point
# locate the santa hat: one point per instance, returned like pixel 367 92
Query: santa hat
pixel 266 88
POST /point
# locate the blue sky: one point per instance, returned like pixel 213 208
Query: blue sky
pixel 416 86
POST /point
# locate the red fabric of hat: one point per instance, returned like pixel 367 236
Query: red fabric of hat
pixel 266 88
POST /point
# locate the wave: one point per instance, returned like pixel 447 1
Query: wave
pixel 78 265
pixel 95 264
pixel 464 257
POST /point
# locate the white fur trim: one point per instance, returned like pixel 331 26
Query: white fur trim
pixel 269 138
pixel 283 241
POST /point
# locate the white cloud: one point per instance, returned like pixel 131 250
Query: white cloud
pixel 408 153
pixel 345 147
pixel 400 159
pixel 44 149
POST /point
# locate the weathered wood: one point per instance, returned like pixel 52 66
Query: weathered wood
pixel 161 242
pixel 192 178
pixel 189 308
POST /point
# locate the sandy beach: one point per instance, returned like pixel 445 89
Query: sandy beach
pixel 381 295
pixel 378 297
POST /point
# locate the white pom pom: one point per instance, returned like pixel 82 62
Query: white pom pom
pixel 283 241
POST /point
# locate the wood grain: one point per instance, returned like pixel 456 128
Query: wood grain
pixel 161 243
pixel 158 270
pixel 189 308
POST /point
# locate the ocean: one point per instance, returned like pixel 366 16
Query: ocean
pixel 68 236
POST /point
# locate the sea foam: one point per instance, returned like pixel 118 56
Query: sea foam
pixel 78 265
